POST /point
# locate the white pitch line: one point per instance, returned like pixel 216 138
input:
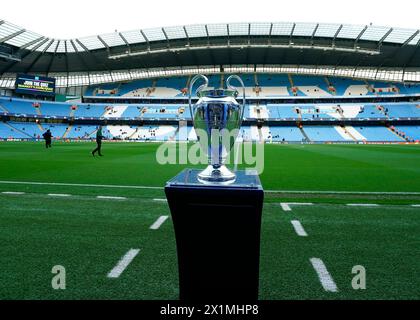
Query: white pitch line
pixel 285 207
pixel 299 228
pixel 160 200
pixel 13 193
pixel 159 222
pixel 416 205
pixel 111 198
pixel 79 185
pixel 324 276
pixel 161 188
pixel 59 195
pixel 363 205
pixel 123 263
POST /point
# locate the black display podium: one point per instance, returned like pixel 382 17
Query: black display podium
pixel 217 230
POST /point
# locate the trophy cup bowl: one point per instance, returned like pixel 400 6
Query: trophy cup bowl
pixel 217 118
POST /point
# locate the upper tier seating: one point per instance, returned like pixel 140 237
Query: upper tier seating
pixel 262 85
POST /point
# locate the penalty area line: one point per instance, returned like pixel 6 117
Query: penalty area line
pixel 111 198
pixel 13 193
pixel 123 263
pixel 363 205
pixel 324 276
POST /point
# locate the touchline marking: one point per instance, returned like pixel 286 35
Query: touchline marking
pixel 111 198
pixel 285 207
pixel 123 263
pixel 300 204
pixel 59 195
pixel 363 205
pixel 324 276
pixel 160 200
pixel 13 193
pixel 161 188
pixel 299 228
pixel 79 185
pixel 416 205
pixel 159 222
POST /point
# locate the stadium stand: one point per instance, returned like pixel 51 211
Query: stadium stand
pixel 270 86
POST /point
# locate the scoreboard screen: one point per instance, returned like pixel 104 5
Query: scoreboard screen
pixel 35 85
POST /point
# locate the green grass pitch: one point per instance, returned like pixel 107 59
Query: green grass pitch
pixel 89 236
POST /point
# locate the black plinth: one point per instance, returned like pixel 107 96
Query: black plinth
pixel 217 231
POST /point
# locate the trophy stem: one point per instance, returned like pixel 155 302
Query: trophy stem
pixel 217 174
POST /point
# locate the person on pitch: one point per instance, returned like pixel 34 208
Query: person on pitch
pixel 99 138
pixel 47 136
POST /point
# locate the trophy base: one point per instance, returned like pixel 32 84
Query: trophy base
pixel 220 176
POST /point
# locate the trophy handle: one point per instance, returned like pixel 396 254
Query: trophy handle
pixel 235 88
pixel 192 82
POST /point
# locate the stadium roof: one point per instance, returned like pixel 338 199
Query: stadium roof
pixel 277 43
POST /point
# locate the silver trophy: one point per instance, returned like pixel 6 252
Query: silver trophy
pixel 217 118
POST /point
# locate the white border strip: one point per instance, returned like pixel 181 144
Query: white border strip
pixel 416 205
pixel 123 263
pixel 111 198
pixel 299 228
pixel 363 205
pixel 161 188
pixel 59 195
pixel 13 193
pixel 300 204
pixel 324 276
pixel 159 222
pixel 79 185
pixel 160 200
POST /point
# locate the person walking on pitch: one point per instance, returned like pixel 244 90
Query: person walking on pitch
pixel 47 136
pixel 99 138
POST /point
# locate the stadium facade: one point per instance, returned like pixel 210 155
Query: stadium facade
pixel 305 82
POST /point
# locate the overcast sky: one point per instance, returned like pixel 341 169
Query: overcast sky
pixel 76 18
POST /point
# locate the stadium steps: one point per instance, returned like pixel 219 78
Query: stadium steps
pixel 2 108
pixel 349 134
pixel 69 128
pixel 187 84
pixel 369 86
pixel 260 135
pixel 305 135
pixel 40 127
pixel 12 127
pixel 403 139
pixel 292 84
pixel 38 110
pixel 222 80
pixel 329 85
pixel 152 88
pixel 255 79
pixel 133 134
pixel 72 112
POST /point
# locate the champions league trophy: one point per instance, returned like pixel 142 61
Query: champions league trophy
pixel 216 213
pixel 217 118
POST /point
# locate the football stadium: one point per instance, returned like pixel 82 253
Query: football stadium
pixel 335 107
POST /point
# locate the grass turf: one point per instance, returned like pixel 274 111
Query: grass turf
pixel 88 236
